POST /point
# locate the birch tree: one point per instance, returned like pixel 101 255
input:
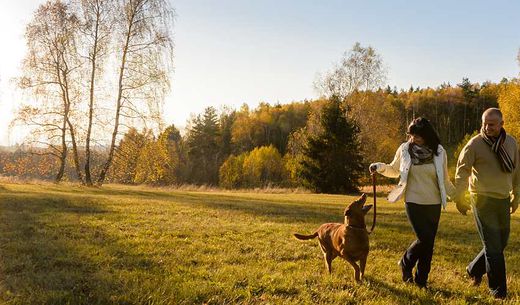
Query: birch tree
pixel 96 22
pixel 360 68
pixel 48 71
pixel 145 58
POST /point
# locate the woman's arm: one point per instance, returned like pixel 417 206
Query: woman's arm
pixel 450 188
pixel 390 170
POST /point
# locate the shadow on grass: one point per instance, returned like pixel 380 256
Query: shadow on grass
pixel 293 212
pixel 51 252
pixel 290 211
pixel 285 211
pixel 409 296
pixel 275 211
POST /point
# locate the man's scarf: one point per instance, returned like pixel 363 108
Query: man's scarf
pixel 420 154
pixel 497 145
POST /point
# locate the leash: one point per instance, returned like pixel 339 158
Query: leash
pixel 374 192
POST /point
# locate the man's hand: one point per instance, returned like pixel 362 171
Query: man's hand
pixel 514 205
pixel 462 206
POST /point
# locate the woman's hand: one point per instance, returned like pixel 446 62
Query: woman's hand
pixel 373 168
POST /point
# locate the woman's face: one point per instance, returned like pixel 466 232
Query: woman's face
pixel 417 139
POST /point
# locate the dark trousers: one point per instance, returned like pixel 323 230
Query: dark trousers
pixel 425 221
pixel 492 219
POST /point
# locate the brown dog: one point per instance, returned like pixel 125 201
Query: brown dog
pixel 349 240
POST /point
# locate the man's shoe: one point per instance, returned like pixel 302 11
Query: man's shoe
pixel 500 296
pixel 407 274
pixel 476 280
pixel 498 293
pixel 421 285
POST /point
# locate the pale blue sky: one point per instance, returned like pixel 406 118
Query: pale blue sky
pixel 233 52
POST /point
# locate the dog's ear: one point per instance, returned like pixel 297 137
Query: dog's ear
pixel 366 208
pixel 362 199
pixel 347 212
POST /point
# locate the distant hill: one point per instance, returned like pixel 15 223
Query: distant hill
pixel 8 148
pixel 97 148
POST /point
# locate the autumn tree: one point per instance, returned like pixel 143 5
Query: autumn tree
pixel 231 172
pixel 160 162
pixel 35 164
pixel 267 125
pixel 126 158
pixel 263 167
pixel 380 121
pixel 509 102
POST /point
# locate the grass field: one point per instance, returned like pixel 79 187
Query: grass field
pixel 137 245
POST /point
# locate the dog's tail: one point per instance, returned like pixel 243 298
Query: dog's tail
pixel 306 237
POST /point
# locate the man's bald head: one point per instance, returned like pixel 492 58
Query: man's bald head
pixel 492 122
pixel 492 112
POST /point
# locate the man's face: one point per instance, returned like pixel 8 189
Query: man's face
pixel 492 124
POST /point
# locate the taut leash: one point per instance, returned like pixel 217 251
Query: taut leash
pixel 374 192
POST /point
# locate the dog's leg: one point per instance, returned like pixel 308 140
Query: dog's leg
pixel 362 264
pixel 327 255
pixel 356 268
pixel 328 261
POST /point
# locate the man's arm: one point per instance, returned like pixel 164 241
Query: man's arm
pixel 462 174
pixel 516 182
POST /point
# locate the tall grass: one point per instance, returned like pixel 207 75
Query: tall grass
pixel 138 245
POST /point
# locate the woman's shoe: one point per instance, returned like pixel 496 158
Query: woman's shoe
pixel 476 280
pixel 406 274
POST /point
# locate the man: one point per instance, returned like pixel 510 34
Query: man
pixel 491 162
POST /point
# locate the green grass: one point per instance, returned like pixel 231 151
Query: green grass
pixel 137 245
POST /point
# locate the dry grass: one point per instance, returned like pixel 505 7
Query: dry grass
pixel 139 245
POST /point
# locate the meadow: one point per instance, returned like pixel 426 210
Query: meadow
pixel 66 244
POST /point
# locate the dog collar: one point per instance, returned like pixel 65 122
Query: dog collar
pixel 359 228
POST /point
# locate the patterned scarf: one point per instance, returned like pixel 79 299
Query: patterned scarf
pixel 420 154
pixel 497 145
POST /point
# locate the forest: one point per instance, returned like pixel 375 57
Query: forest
pixel 268 145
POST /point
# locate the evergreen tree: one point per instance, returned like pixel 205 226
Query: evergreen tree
pixel 227 118
pixel 204 149
pixel 332 160
pixel 171 138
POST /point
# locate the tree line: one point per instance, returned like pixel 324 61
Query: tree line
pixel 290 145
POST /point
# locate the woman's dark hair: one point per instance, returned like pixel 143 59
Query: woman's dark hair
pixel 423 128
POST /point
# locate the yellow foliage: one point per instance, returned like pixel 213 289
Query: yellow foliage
pixel 509 102
pixel 260 167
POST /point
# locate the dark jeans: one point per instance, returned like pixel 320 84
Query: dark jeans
pixel 425 221
pixel 492 219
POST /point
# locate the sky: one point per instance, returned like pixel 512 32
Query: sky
pixel 231 52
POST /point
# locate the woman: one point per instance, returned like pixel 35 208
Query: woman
pixel 421 163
